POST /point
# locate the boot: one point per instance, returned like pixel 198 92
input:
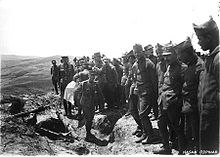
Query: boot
pixel 164 150
pixel 144 136
pixel 137 130
pixel 90 137
pixel 149 140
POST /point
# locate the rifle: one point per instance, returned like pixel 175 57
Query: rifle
pixel 67 136
pixel 24 114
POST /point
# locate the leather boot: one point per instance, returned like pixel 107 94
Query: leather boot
pixel 144 136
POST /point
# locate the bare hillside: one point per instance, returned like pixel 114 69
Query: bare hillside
pixel 25 75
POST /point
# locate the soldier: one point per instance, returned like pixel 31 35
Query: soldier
pixel 80 77
pixel 111 84
pixel 54 71
pixel 149 52
pixel 129 79
pixel 170 103
pixel 100 75
pixel 187 55
pixel 119 70
pixel 66 76
pixel 90 91
pixel 145 87
pixel 208 35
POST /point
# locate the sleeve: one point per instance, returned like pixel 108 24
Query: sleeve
pixel 100 91
pixel 154 78
pixel 216 73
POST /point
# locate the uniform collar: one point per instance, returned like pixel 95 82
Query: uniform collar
pixel 215 51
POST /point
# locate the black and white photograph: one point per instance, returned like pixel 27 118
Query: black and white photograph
pixel 109 77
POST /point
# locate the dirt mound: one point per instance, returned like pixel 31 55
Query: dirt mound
pixel 20 138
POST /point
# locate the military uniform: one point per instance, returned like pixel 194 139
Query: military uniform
pixel 79 77
pixel 209 92
pixel 171 104
pixel 54 71
pixel 145 87
pixel 66 72
pixel 90 91
pixel 190 89
pixel 66 75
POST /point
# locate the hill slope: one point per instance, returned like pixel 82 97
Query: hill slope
pixel 25 75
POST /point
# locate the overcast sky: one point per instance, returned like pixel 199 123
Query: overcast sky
pixel 82 27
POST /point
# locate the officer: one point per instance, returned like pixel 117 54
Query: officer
pixel 54 71
pixel 208 35
pixel 90 91
pixel 170 103
pixel 146 86
pixel 66 76
pixel 186 54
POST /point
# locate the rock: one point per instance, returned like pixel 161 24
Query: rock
pixel 105 122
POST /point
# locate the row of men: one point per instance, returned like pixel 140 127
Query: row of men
pixel 182 90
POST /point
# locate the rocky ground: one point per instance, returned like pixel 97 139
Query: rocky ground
pixel 19 138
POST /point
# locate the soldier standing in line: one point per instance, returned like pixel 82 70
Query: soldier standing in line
pixel 100 75
pixel 66 76
pixel 209 92
pixel 90 90
pixel 54 71
pixel 145 87
pixel 149 54
pixel 111 84
pixel 187 55
pixel 78 78
pixel 119 70
pixel 170 103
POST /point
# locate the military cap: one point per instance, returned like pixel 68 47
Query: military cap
pixel 82 58
pixel 64 57
pixel 138 47
pixel 97 54
pixel 148 47
pixel 206 27
pixel 168 49
pixel 53 61
pixel 184 45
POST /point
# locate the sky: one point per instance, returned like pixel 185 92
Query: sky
pixel 83 27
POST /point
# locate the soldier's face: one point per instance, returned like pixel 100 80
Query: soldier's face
pixel 204 42
pixel 170 58
pixel 138 54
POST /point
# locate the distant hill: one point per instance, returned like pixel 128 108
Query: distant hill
pixel 25 75
pixel 15 57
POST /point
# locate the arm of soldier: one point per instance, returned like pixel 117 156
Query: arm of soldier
pixel 115 74
pixel 154 77
pixel 51 71
pixel 100 91
pixel 216 73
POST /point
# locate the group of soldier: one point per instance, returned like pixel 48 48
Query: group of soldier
pixel 180 88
